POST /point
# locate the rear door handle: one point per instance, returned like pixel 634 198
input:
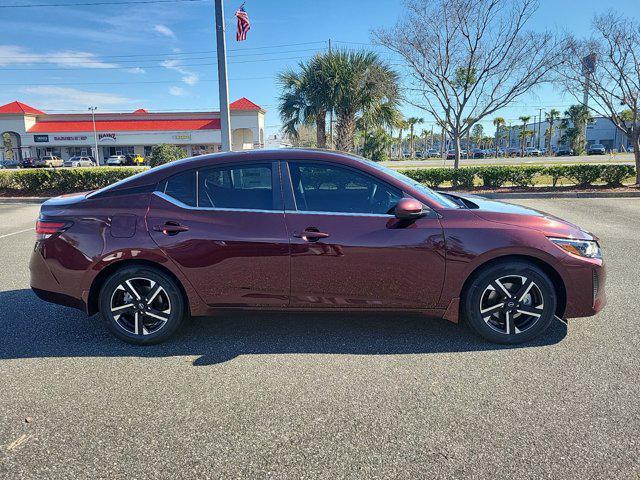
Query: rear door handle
pixel 310 235
pixel 171 228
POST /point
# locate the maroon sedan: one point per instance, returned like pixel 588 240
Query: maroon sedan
pixel 308 230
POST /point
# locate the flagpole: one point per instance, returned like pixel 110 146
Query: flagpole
pixel 223 84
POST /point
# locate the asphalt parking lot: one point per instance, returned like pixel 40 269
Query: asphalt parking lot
pixel 322 396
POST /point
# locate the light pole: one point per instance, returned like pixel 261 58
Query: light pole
pixel 223 85
pixel 95 135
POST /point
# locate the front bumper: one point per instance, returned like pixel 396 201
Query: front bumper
pixel 585 285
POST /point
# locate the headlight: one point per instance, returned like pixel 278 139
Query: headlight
pixel 581 248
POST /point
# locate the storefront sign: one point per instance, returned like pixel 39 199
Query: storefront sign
pixel 106 137
pixel 70 139
pixel 41 138
pixel 183 136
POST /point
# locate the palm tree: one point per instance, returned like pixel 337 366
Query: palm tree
pixel 413 121
pixel 306 99
pixel 363 88
pixel 551 117
pixel 524 119
pixel 499 123
pixel 401 124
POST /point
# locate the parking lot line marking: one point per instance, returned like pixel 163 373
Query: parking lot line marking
pixel 16 233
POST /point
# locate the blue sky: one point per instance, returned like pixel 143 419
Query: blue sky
pixel 161 56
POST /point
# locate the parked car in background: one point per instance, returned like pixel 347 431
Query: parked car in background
pixel 418 154
pixel 477 153
pixel 513 152
pixel 256 230
pixel 451 154
pixel 119 160
pixel 137 159
pixel 28 162
pixel 80 162
pixel 532 152
pixel 596 149
pixel 564 151
pixel 49 161
pixel 433 153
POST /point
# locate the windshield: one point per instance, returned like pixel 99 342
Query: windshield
pixel 435 196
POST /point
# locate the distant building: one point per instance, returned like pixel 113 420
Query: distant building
pixel 602 130
pixel 34 133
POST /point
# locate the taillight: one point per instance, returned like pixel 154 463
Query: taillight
pixel 44 227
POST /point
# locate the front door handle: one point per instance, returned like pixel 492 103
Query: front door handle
pixel 171 228
pixel 310 234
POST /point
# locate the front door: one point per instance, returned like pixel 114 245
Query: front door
pixel 348 250
pixel 224 228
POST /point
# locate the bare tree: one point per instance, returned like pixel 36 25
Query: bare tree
pixel 470 58
pixel 613 80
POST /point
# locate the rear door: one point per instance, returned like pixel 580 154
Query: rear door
pixel 349 250
pixel 224 227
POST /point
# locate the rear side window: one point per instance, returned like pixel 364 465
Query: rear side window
pixel 182 187
pixel 241 186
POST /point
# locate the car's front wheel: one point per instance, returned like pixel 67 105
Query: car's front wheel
pixel 141 305
pixel 510 302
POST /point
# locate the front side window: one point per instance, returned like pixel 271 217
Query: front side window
pixel 331 188
pixel 241 186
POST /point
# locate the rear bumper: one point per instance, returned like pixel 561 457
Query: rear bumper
pixel 60 299
pixel 46 286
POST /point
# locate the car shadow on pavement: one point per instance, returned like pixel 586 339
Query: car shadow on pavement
pixel 31 328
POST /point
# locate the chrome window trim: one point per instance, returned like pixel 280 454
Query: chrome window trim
pixel 346 214
pixel 178 203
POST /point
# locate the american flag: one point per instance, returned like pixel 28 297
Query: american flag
pixel 243 24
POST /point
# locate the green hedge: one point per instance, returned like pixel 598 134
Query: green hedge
pixel 35 181
pixel 67 180
pixel 582 175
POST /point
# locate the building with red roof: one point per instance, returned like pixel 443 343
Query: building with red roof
pixel 35 133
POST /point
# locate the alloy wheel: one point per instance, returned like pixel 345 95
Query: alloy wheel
pixel 140 306
pixel 511 304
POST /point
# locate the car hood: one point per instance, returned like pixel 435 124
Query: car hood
pixel 525 217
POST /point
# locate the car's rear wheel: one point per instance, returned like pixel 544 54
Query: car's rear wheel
pixel 510 302
pixel 141 305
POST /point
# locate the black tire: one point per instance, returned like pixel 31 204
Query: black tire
pixel 510 323
pixel 151 317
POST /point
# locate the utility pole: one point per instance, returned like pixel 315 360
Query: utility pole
pixel 330 112
pixel 588 69
pixel 539 126
pixel 95 135
pixel 223 84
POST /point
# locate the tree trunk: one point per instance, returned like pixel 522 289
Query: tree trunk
pixel 496 140
pixel 346 128
pixel 636 154
pixel 457 146
pixel 400 151
pixel 321 129
pixel 411 143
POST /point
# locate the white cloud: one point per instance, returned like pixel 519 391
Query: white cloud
pixel 164 30
pixel 13 55
pixel 63 98
pixel 188 77
pixel 136 70
pixel 176 91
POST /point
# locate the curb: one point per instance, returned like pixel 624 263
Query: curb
pixel 34 200
pixel 533 195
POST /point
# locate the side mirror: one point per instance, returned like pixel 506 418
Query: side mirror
pixel 408 208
